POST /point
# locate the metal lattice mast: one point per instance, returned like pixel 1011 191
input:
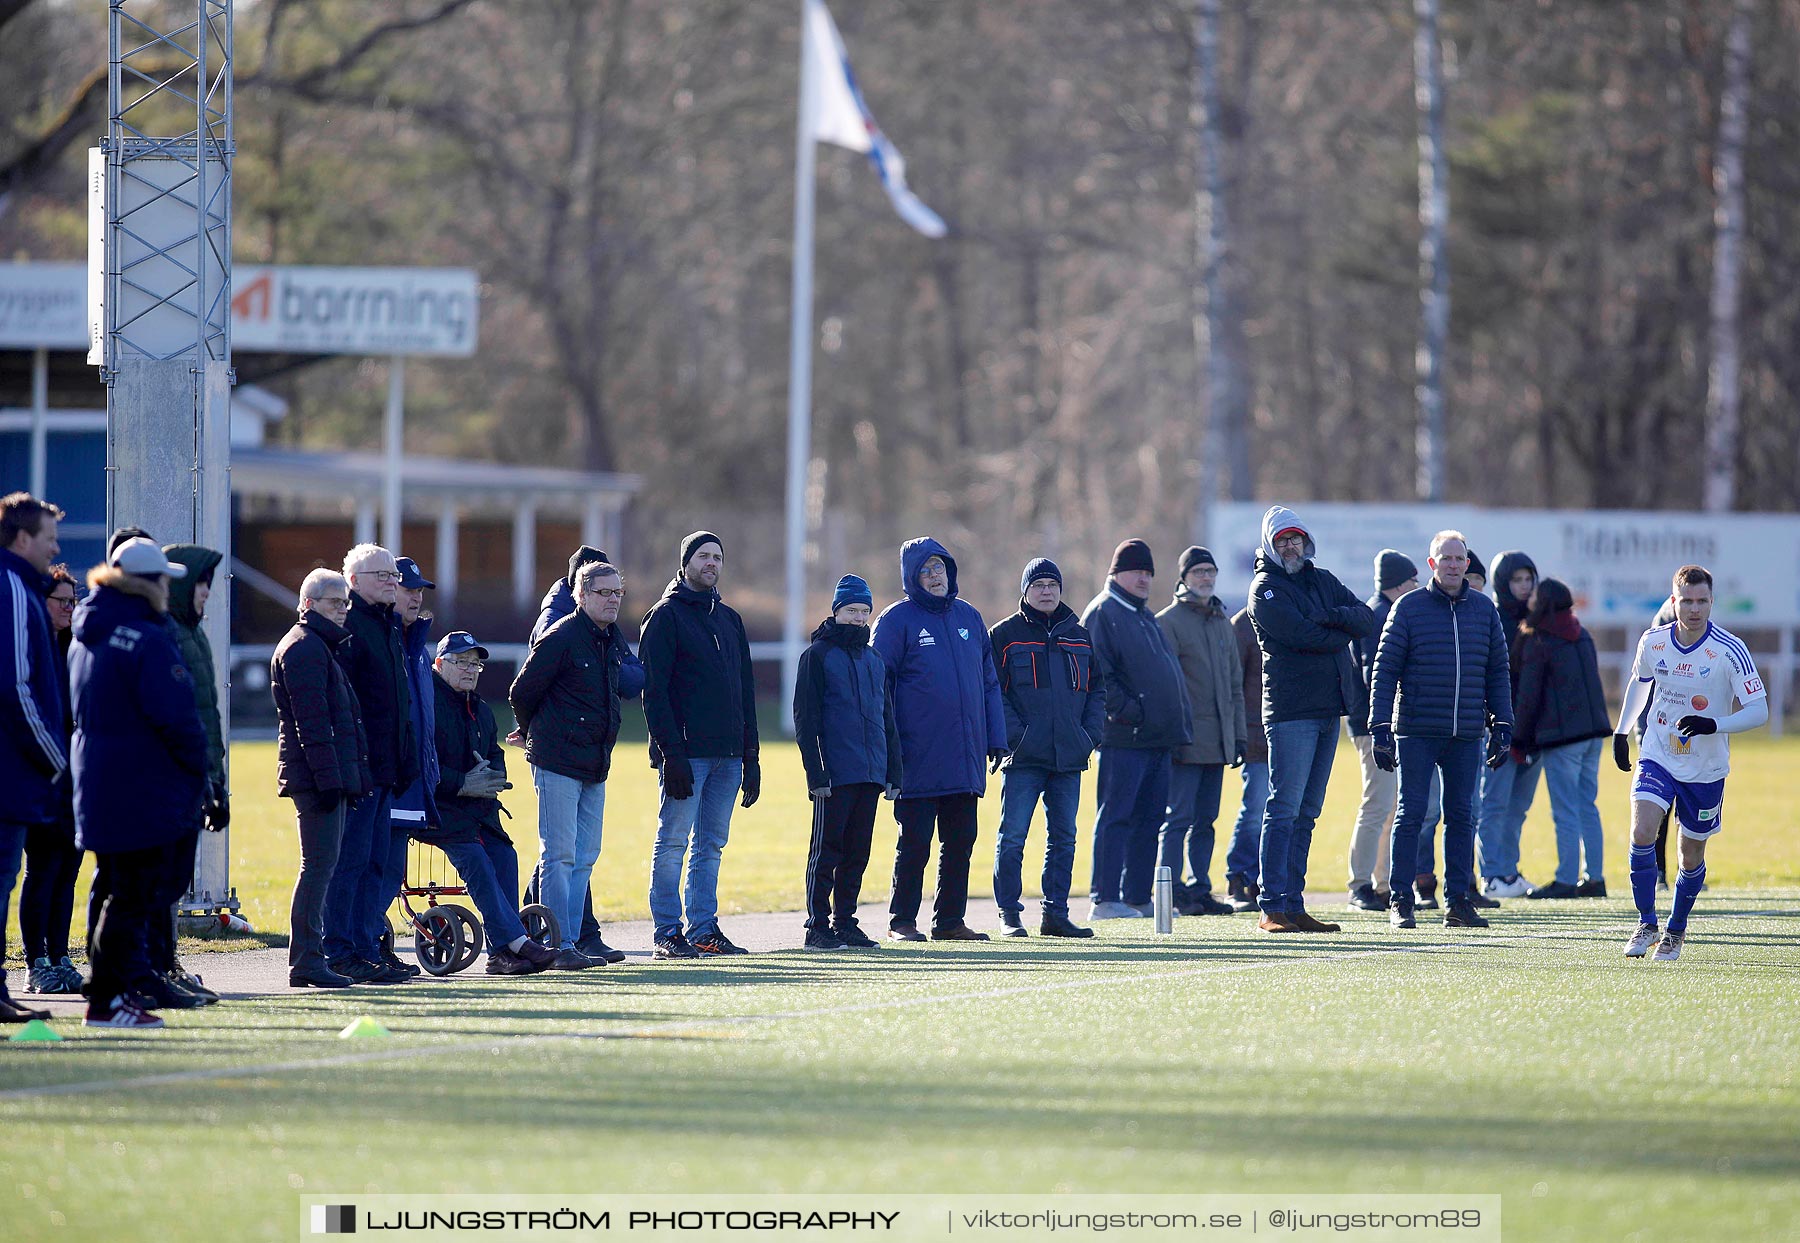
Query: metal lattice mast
pixel 163 278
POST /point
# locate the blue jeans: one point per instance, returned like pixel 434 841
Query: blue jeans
pixel 570 813
pixel 356 900
pixel 1246 836
pixel 1458 760
pixel 696 827
pixel 1506 794
pixel 1300 755
pixel 1572 775
pixel 1133 793
pixel 393 871
pixel 1428 827
pixel 1193 809
pixel 1019 795
pixel 12 851
pixel 490 872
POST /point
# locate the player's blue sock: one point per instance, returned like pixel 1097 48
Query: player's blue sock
pixel 1687 888
pixel 1643 882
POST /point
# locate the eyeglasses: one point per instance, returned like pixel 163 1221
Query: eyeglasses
pixel 336 602
pixel 380 576
pixel 466 662
pixel 608 593
pixel 1297 541
pixel 67 602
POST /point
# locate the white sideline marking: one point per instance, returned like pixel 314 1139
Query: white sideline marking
pixel 717 1021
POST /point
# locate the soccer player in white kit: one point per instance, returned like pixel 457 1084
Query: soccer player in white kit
pixel 1690 671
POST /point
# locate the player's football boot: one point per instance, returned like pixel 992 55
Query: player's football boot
pixel 1642 940
pixel 1670 948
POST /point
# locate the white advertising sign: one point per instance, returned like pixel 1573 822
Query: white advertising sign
pixel 355 310
pixel 294 310
pixel 1617 562
pixel 43 305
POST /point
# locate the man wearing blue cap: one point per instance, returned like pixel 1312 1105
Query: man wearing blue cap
pixel 1055 703
pixel 850 748
pixel 471 764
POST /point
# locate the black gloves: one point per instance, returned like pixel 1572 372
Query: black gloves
pixel 1499 744
pixel 752 782
pixel 1387 752
pixel 1622 752
pixel 1696 724
pixel 216 811
pixel 328 800
pixel 1238 756
pixel 677 780
pixel 996 757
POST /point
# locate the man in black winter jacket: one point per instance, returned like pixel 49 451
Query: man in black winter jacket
pixel 1306 623
pixel 566 700
pixel 700 703
pixel 1055 701
pixel 321 761
pixel 1147 717
pixel 357 900
pixel 850 748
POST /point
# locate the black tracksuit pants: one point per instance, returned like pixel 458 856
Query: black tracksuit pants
pixel 842 830
pixel 131 889
pixel 953 818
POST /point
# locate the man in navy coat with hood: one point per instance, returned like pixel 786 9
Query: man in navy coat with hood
pixel 946 697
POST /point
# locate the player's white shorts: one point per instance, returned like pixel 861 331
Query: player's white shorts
pixel 1699 806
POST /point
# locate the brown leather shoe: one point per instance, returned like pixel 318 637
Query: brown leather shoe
pixel 905 932
pixel 1306 923
pixel 959 932
pixel 1274 921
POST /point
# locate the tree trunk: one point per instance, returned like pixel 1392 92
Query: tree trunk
pixel 1728 234
pixel 1434 265
pixel 1218 342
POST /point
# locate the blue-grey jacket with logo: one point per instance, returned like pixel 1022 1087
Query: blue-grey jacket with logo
pixel 1146 694
pixel 1441 670
pixel 1051 688
pixel 843 720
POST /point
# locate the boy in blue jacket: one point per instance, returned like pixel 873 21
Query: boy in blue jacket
pixel 850 748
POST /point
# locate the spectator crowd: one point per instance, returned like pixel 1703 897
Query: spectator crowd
pixel 1456 701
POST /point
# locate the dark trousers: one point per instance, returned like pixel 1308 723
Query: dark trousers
pixel 590 927
pixel 843 828
pixel 12 853
pixel 392 877
pixel 490 872
pixel 1459 762
pixel 1133 796
pixel 1194 794
pixel 177 876
pixel 133 889
pixel 47 894
pixel 953 817
pixel 321 834
pixel 355 900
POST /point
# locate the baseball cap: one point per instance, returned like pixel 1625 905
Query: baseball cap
pixel 411 577
pixel 457 642
pixel 142 556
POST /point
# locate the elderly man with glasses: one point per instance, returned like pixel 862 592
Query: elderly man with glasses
pixel 471 767
pixel 321 761
pixel 357 900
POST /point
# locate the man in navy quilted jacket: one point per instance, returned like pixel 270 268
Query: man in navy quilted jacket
pixel 1441 679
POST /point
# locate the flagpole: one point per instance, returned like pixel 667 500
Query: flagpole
pixel 799 441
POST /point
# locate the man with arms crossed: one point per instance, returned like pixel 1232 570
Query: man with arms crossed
pixel 1689 671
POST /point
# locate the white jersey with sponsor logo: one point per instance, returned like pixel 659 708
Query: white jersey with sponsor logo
pixel 1699 680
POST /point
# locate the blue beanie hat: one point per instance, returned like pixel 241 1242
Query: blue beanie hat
pixel 851 590
pixel 1036 568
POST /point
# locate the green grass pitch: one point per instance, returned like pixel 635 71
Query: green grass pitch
pixel 1602 1099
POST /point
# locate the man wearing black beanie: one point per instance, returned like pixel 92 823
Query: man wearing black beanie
pixel 700 704
pixel 1147 717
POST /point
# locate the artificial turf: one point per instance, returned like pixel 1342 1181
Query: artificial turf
pixel 1602 1099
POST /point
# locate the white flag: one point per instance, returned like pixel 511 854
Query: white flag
pixel 842 118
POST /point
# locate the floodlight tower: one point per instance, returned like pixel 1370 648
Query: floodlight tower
pixel 159 252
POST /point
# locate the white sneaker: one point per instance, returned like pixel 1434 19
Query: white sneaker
pixel 1140 911
pixel 1670 949
pixel 1641 941
pixel 1111 910
pixel 1514 886
pixel 124 1012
